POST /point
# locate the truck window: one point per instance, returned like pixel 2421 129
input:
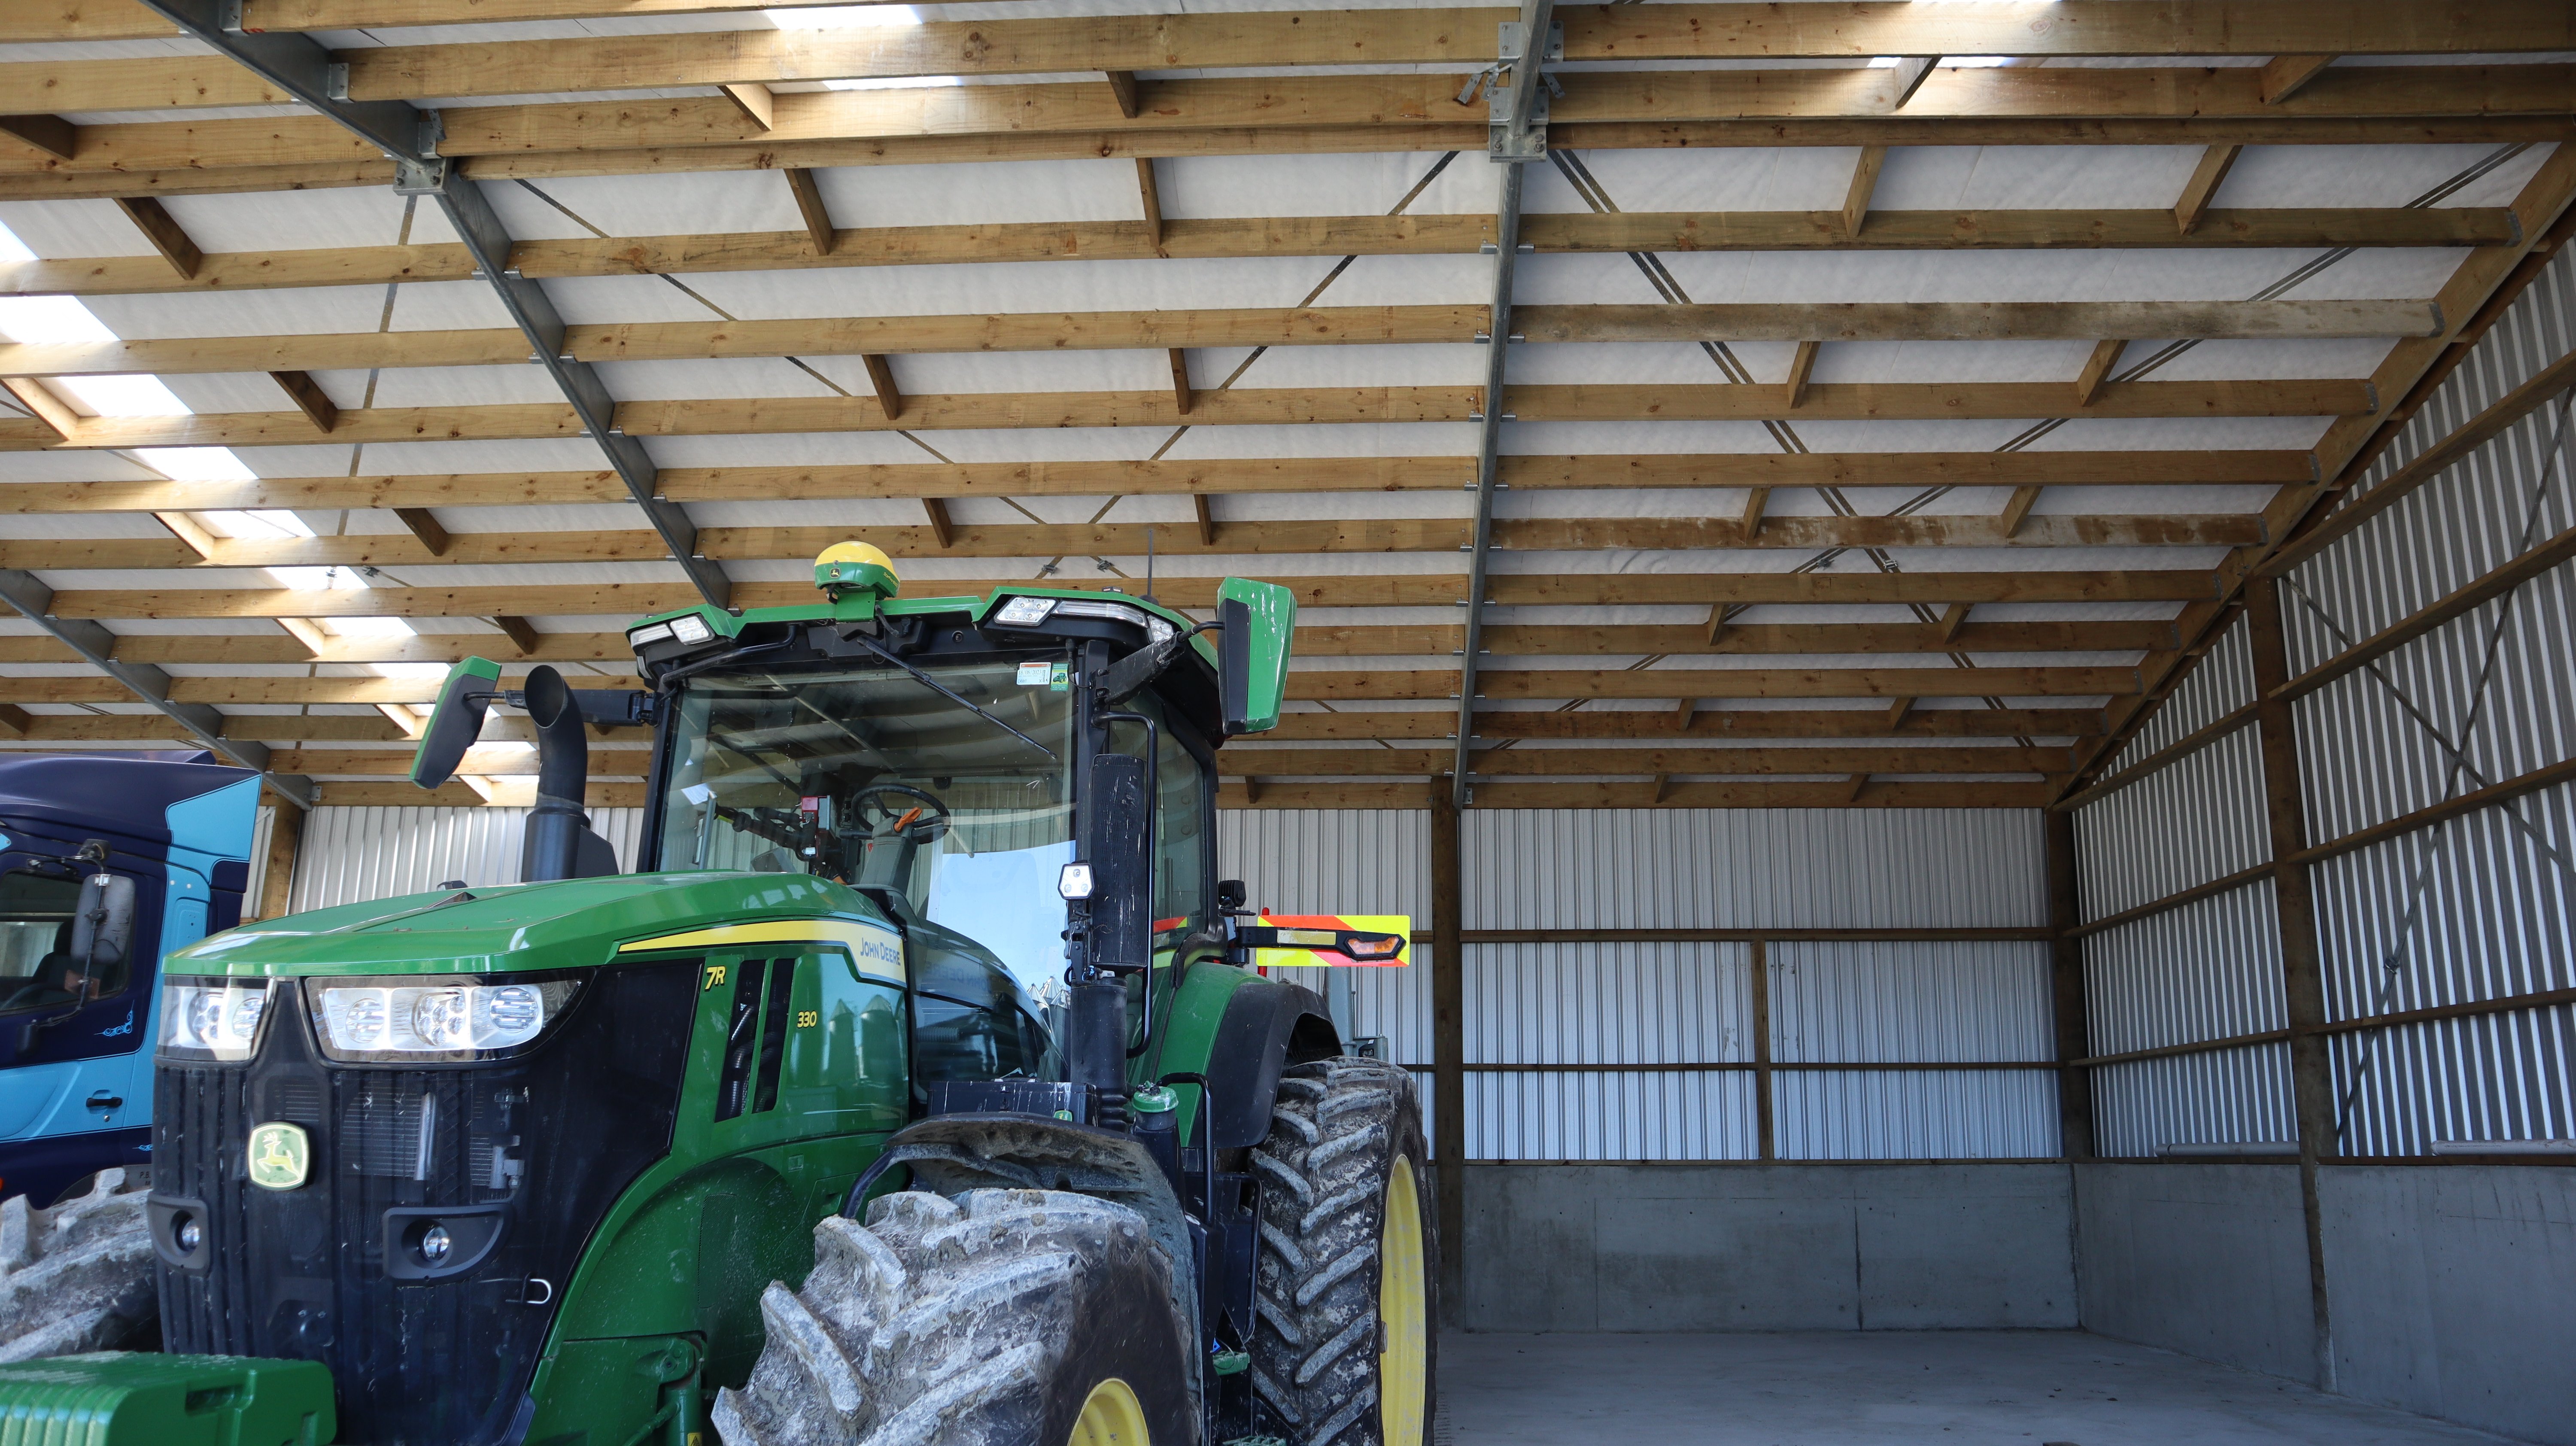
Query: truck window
pixel 35 944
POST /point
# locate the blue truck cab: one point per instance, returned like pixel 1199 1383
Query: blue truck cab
pixel 76 1041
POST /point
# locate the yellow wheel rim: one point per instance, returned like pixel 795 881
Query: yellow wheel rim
pixel 1111 1416
pixel 1404 1307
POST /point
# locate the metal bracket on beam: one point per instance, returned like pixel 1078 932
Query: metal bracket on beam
pixel 97 647
pixel 1517 107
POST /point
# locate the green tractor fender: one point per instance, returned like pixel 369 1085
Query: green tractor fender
pixel 1267 1025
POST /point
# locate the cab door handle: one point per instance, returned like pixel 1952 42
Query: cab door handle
pixel 105 1101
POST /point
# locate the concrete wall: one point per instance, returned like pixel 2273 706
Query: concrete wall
pixel 2209 1260
pixel 1767 1247
pixel 2451 1289
pixel 2453 1292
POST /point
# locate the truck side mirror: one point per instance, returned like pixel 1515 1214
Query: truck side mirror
pixel 456 722
pixel 1252 652
pixel 103 930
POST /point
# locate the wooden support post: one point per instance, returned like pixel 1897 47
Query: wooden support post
pixel 1801 367
pixel 309 398
pixel 2203 185
pixel 2302 970
pixel 1953 618
pixel 1864 182
pixel 1251 790
pixel 942 526
pixel 755 102
pixel 1683 714
pixel 1122 89
pixel 1207 519
pixel 1182 396
pixel 2066 986
pixel 2097 369
pixel 881 377
pixel 51 134
pixel 1153 197
pixel 1660 788
pixel 1448 1052
pixel 1716 623
pixel 1896 711
pixel 164 234
pixel 2286 75
pixel 522 633
pixel 1766 1145
pixel 285 844
pixel 15 721
pixel 426 527
pixel 2017 510
pixel 809 204
pixel 1756 501
pixel 1859 781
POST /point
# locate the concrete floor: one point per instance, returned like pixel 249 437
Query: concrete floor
pixel 1901 1388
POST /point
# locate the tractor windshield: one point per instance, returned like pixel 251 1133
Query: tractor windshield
pixel 872 777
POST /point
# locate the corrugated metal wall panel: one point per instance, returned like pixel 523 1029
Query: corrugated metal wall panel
pixel 2476 909
pixel 2493 1077
pixel 1316 860
pixel 1608 1004
pixel 1915 1114
pixel 2208 970
pixel 349 855
pixel 1752 868
pixel 2194 820
pixel 1909 1002
pixel 2219 684
pixel 1611 1115
pixel 2229 1096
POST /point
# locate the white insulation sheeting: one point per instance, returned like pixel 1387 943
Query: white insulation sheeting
pixel 352 855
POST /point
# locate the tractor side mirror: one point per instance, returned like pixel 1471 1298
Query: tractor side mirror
pixel 1122 873
pixel 1252 653
pixel 103 931
pixel 456 722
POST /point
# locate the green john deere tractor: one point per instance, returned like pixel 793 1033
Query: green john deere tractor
pixel 927 997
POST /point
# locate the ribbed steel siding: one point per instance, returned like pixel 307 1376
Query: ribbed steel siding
pixel 2227 1096
pixel 1608 1004
pixel 2537 329
pixel 2219 684
pixel 1835 1003
pixel 1611 1115
pixel 1909 1003
pixel 1752 868
pixel 2198 818
pixel 2494 1077
pixel 2208 970
pixel 349 855
pixel 1914 1114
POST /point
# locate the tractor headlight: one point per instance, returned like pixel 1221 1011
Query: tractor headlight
pixel 215 1019
pixel 418 1019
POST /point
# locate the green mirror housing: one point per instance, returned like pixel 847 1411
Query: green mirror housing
pixel 456 722
pixel 1252 652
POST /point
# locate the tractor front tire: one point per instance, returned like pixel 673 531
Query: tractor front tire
pixel 1343 1345
pixel 997 1318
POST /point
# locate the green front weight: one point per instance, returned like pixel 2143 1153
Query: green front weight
pixel 117 1398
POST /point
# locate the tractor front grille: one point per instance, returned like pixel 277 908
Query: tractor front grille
pixel 528 1152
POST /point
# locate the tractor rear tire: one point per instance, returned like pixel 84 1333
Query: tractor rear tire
pixel 1343 1346
pixel 77 1277
pixel 997 1318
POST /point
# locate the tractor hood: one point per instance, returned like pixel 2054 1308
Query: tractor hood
pixel 570 923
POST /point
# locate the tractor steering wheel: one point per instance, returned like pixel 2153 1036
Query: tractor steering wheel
pixel 890 821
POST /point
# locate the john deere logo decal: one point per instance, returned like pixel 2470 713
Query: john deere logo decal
pixel 279 1156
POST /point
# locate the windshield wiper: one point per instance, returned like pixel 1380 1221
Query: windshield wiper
pixel 945 691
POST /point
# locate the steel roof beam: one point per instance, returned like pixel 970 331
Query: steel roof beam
pixel 97 647
pixel 1517 135
pixel 409 137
